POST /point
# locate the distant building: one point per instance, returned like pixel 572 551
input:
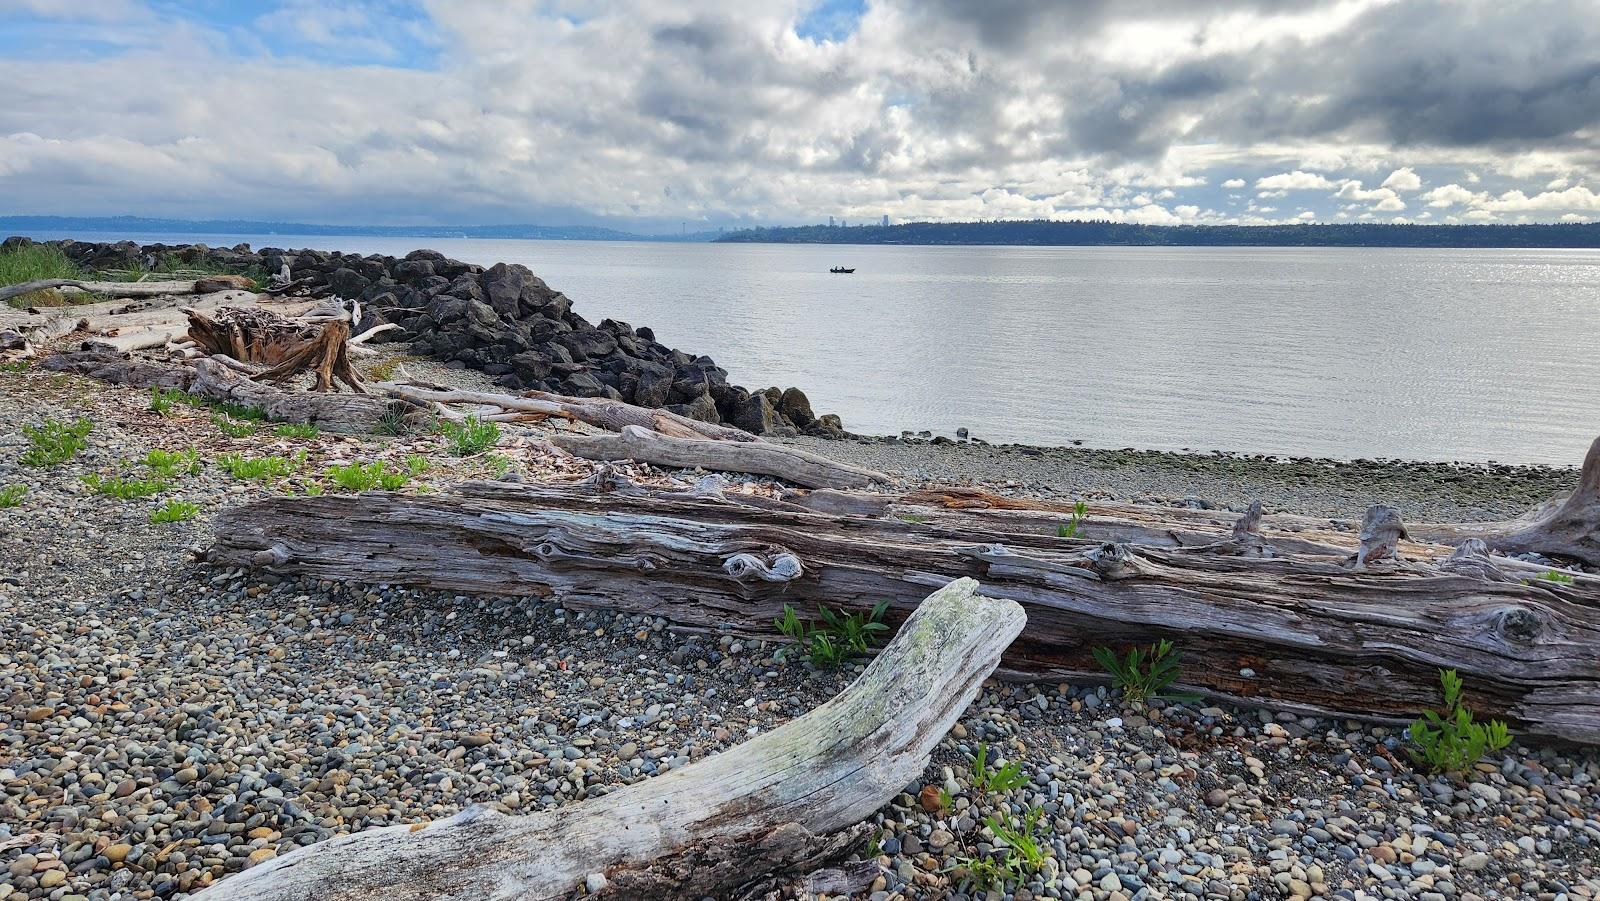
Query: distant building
pixel 844 223
pixel 885 220
pixel 830 222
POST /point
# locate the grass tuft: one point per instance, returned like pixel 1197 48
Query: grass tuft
pixel 258 469
pixel 11 495
pixel 377 474
pixel 32 263
pixel 470 436
pixel 124 489
pixel 174 511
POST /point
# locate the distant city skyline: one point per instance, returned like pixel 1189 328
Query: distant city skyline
pixel 684 117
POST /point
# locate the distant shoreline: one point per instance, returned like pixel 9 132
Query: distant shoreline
pixel 1048 233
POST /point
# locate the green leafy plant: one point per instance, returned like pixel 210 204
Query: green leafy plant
pixel 1004 779
pixel 161 403
pixel 124 489
pixel 470 436
pixel 313 489
pixel 11 495
pixel 837 638
pixel 233 429
pixel 174 511
pixel 1560 578
pixel 238 411
pixel 367 476
pixel 1069 529
pixel 256 469
pixel 171 464
pixel 15 366
pixel 1146 672
pixel 55 442
pixel 296 430
pixel 1017 856
pixel 416 464
pixel 1449 740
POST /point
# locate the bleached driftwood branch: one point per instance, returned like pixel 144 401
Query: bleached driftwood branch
pixel 596 411
pixel 781 803
pixel 130 289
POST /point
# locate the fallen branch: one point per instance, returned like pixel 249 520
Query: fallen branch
pixel 789 464
pixel 1297 631
pixel 782 803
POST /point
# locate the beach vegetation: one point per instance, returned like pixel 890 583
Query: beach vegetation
pixel 1449 740
pixel 55 442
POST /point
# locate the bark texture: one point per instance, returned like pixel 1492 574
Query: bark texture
pixel 1326 632
pixel 782 802
pixel 795 466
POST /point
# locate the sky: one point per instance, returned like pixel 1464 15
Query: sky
pixel 652 115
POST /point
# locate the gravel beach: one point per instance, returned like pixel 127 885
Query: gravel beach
pixel 168 723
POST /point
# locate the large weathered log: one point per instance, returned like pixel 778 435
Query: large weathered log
pixel 214 378
pixel 790 464
pixel 783 802
pixel 596 411
pixel 130 289
pixel 1297 631
pixel 122 324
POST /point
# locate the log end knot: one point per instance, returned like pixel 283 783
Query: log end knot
pixel 783 567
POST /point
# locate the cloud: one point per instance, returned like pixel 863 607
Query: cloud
pixel 1405 179
pixel 1294 181
pixel 643 114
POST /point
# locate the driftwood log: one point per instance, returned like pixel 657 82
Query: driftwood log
pixel 781 804
pixel 534 406
pixel 219 378
pixel 1283 625
pixel 124 325
pixel 795 466
pixel 131 289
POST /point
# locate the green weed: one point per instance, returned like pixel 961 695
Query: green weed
pixel 1069 529
pixel 1004 779
pixel 124 489
pixel 296 430
pixel 1146 672
pixel 170 464
pixel 366 477
pixel 1559 578
pixel 257 469
pixel 1017 855
pixel 15 366
pixel 174 511
pixel 837 638
pixel 231 428
pixel 11 495
pixel 55 442
pixel 34 263
pixel 1449 740
pixel 470 436
pixel 416 464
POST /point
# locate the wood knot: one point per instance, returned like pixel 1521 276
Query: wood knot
pixel 784 567
pixel 1520 625
pixel 277 555
pixel 1113 561
pixel 1381 532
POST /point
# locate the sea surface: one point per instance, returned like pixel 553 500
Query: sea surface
pixel 1433 354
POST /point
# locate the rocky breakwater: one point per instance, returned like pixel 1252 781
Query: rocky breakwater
pixel 504 321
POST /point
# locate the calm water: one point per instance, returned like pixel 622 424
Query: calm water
pixel 1419 354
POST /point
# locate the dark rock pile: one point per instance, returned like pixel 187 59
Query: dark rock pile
pixel 504 321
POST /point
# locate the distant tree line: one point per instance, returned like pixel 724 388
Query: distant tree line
pixel 1045 232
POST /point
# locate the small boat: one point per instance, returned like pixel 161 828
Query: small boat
pixel 840 270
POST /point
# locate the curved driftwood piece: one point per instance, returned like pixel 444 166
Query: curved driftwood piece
pixel 122 325
pixel 789 464
pixel 783 802
pixel 613 415
pixel 1306 632
pixel 1563 527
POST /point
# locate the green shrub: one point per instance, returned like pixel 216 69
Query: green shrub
pixel 174 511
pixel 469 436
pixel 1146 672
pixel 124 489
pixel 256 468
pixel 1069 529
pixel 368 476
pixel 1448 740
pixel 55 442
pixel 11 495
pixel 296 430
pixel 837 638
pixel 31 264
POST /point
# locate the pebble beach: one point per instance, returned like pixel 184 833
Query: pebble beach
pixel 169 723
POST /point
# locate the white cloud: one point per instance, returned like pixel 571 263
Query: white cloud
pixel 1234 183
pixel 1305 215
pixel 1298 180
pixel 1449 195
pixel 1405 179
pixel 1575 198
